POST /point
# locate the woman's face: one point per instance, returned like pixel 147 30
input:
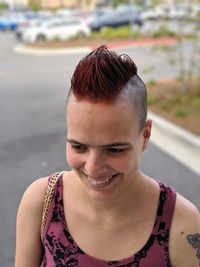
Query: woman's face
pixel 104 145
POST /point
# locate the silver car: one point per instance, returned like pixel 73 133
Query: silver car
pixel 56 29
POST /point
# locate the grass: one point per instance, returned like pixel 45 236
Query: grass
pixel 166 100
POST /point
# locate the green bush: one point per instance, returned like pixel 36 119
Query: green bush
pixel 172 61
pixel 151 83
pixel 112 33
pixel 181 113
pixel 166 48
pixel 197 93
pixel 165 105
pixel 163 31
pixel 135 35
pixel 3 6
pixel 34 5
pixel 151 100
pixel 123 33
pixel 148 69
pixel 175 99
pixel 196 102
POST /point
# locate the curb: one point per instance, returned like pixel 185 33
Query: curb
pixel 184 135
pixel 23 49
pixel 137 43
pixel 176 141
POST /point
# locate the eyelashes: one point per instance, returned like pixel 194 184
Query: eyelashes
pixel 79 148
pixel 110 150
pixel 115 150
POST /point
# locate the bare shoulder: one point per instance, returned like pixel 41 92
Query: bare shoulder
pixel 31 205
pixel 35 193
pixel 185 234
pixel 183 211
pixel 28 241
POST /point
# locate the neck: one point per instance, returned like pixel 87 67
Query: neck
pixel 118 205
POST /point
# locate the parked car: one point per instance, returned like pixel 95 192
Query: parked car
pixel 96 14
pixel 117 18
pixel 10 20
pixel 56 29
pixel 24 26
pixel 7 23
pixel 154 13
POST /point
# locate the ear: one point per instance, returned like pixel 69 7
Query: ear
pixel 146 134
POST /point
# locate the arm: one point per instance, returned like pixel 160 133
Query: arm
pixel 185 235
pixel 28 241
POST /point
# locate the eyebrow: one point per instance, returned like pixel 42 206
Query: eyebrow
pixel 116 144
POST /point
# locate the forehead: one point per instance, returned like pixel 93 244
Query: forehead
pixel 119 109
pixel 95 121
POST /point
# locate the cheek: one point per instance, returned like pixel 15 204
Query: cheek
pixel 124 164
pixel 74 159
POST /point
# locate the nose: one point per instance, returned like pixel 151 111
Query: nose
pixel 95 163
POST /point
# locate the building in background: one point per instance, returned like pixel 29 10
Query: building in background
pixel 84 4
pixel 67 3
pixel 53 4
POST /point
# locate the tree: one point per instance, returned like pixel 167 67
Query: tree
pixel 116 3
pixel 34 4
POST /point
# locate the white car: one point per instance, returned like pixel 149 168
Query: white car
pixel 22 27
pixel 180 11
pixel 56 29
pixel 158 12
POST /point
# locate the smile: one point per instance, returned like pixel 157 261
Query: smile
pixel 97 182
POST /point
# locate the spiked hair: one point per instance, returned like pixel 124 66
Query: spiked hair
pixel 103 75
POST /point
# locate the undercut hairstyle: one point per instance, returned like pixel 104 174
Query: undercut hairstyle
pixel 103 76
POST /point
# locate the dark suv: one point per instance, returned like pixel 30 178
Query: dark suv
pixel 117 18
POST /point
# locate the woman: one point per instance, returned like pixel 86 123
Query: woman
pixel 106 212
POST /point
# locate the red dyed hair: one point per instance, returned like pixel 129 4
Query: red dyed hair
pixel 102 74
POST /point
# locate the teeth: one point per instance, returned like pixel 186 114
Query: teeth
pixel 97 182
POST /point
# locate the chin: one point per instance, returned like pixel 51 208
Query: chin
pixel 101 191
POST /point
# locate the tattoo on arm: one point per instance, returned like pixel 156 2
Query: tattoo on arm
pixel 194 241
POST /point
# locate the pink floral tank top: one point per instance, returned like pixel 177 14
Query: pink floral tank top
pixel 60 250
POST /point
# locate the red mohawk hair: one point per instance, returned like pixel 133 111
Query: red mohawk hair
pixel 102 75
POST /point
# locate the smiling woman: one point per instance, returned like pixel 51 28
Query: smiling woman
pixel 107 145
pixel 105 211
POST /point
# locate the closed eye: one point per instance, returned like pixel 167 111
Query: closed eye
pixel 115 150
pixel 79 148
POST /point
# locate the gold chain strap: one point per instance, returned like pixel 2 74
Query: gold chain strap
pixel 47 201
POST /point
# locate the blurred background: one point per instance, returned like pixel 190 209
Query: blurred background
pixel 41 41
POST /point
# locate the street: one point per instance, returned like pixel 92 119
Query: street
pixel 33 92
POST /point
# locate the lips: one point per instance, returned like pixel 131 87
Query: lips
pixel 99 181
pixel 96 182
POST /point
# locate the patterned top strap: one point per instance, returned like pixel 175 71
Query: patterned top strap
pixel 47 200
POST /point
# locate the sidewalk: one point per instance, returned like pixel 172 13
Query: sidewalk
pixel 174 140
